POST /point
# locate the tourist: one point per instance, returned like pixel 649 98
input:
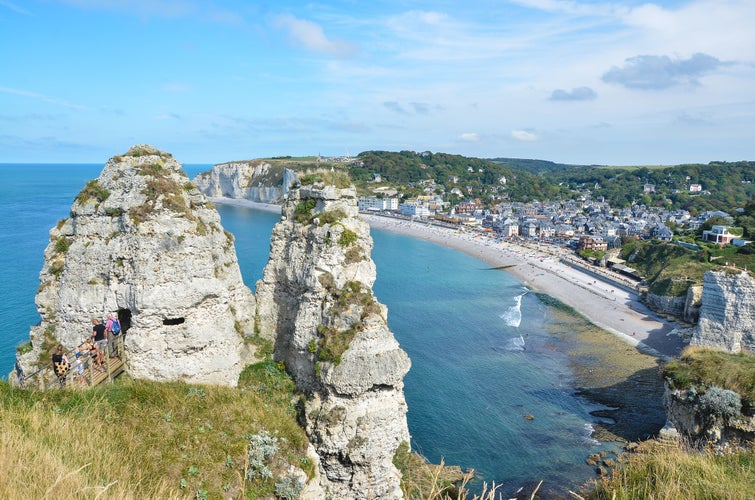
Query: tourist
pixel 60 365
pixel 94 354
pixel 100 339
pixel 112 327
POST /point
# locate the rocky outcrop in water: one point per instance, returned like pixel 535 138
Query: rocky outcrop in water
pixel 727 314
pixel 247 180
pixel 315 301
pixel 142 241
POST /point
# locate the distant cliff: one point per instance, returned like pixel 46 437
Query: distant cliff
pixel 727 313
pixel 315 301
pixel 248 180
pixel 141 241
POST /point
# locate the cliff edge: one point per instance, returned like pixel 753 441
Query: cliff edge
pixel 315 301
pixel 727 313
pixel 256 180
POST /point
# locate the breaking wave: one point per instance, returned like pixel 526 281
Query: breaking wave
pixel 513 316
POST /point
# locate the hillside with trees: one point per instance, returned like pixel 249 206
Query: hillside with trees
pixel 723 185
pixel 474 177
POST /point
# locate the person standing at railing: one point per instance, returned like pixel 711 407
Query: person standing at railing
pixel 99 336
pixel 60 365
pixel 113 328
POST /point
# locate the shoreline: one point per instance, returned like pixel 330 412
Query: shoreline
pixel 608 305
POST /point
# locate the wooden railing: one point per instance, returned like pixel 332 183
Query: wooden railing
pixel 82 372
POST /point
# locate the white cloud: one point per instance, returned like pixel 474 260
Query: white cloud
pixel 661 72
pixel 41 97
pixel 311 36
pixel 15 8
pixel 469 137
pixel 523 135
pixel 576 94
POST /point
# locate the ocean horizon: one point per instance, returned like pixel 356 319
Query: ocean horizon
pixel 482 355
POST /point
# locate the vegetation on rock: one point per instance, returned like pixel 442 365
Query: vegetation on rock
pixel 700 368
pixel 92 191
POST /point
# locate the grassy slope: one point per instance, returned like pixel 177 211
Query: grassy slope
pixel 144 439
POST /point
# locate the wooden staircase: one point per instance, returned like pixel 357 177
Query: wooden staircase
pixel 83 373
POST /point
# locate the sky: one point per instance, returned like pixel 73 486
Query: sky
pixel 624 82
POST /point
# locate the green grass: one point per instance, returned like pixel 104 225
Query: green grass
pixel 700 367
pixel 139 439
pixel 664 472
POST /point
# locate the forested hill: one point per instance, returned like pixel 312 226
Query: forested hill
pixel 533 166
pixel 475 177
pixel 724 185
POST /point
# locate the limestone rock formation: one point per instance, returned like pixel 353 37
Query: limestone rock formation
pixel 249 180
pixel 142 241
pixel 315 301
pixel 727 313
pixel 699 425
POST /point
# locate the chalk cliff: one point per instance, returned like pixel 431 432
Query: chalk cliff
pixel 727 313
pixel 685 307
pixel 142 241
pixel 315 301
pixel 249 180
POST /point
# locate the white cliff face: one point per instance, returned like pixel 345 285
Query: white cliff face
pixel 315 301
pixel 727 314
pixel 248 180
pixel 144 242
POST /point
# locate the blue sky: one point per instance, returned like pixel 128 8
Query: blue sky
pixel 621 82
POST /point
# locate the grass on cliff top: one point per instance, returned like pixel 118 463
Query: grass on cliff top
pixel 139 439
pixel 708 367
pixel 670 472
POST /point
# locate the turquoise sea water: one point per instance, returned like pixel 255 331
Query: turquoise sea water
pixel 481 357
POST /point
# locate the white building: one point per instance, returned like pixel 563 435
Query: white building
pixel 371 203
pixel 414 210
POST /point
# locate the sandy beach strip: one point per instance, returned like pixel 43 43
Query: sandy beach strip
pixel 606 304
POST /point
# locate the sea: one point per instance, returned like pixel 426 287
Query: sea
pixel 488 389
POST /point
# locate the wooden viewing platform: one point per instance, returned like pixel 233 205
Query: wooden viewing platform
pixel 82 373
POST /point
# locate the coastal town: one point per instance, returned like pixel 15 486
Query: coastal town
pixel 577 225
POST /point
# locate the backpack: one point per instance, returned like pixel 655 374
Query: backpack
pixel 116 327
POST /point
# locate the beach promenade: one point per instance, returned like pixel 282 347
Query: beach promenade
pixel 607 304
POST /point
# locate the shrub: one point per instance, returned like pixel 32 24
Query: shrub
pixel 114 211
pixel 153 169
pixel 309 179
pixel 288 488
pixel 303 212
pixel 56 268
pixel 331 217
pixel 353 255
pixel 262 448
pixel 62 245
pixel 348 237
pixel 24 348
pixel 720 402
pixel 92 190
